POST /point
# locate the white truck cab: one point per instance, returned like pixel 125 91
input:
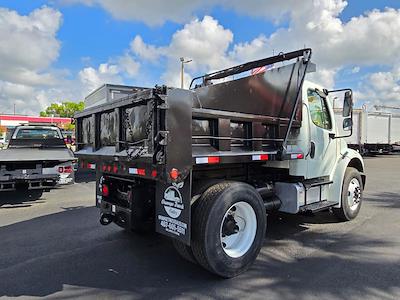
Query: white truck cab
pixel 326 155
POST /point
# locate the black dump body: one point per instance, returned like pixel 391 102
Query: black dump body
pixel 153 131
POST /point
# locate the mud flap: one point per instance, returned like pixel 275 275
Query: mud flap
pixel 173 209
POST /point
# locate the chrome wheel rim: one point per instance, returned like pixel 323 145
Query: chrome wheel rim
pixel 354 194
pixel 238 229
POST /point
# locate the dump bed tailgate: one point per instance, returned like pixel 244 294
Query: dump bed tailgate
pixel 122 128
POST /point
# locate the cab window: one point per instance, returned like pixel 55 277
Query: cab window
pixel 319 110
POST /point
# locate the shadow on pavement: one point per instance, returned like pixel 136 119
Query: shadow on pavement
pixel 384 199
pixel 45 255
pixel 18 199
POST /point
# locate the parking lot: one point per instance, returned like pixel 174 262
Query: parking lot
pixel 55 247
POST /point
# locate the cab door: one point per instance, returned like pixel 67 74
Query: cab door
pixel 321 158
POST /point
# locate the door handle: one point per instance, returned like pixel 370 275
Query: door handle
pixel 312 150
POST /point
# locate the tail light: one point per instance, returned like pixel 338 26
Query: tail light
pixel 68 169
pixel 174 174
pixel 105 191
pixel 65 169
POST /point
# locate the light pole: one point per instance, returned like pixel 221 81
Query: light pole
pixel 183 61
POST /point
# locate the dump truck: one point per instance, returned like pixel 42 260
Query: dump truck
pixel 204 166
pixel 36 160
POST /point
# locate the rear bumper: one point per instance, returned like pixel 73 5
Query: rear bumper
pixel 30 182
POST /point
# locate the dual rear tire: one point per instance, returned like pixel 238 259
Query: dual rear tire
pixel 228 229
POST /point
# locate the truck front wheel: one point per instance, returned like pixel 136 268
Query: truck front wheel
pixel 228 228
pixel 351 197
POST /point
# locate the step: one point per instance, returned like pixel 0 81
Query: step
pixel 317 206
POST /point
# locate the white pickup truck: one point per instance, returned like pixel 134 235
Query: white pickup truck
pixel 35 160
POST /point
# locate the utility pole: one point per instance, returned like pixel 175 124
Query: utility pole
pixel 182 69
pixel 14 109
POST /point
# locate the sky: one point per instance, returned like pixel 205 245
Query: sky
pixel 61 50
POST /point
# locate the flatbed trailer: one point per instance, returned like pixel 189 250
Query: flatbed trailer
pixel 202 166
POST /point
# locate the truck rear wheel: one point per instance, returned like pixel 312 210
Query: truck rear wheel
pixel 228 228
pixel 351 198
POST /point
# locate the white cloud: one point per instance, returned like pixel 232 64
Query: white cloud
pixel 314 24
pixel 382 88
pixel 129 65
pixel 29 44
pixel 371 39
pixel 144 51
pixel 157 12
pixel 28 48
pixel 92 78
pixel 205 42
pixel 154 12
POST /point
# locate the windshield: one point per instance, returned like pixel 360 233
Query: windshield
pixel 37 133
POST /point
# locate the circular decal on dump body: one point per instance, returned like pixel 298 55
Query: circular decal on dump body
pixel 172 202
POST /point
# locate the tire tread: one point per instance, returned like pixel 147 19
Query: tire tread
pixel 199 221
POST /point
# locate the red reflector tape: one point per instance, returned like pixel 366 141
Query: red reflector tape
pixel 260 157
pixel 91 166
pixel 213 160
pixel 154 173
pixel 136 171
pixel 115 169
pixel 297 156
pixel 208 160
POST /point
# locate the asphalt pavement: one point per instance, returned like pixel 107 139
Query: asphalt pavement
pixel 55 247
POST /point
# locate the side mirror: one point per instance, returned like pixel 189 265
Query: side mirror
pixel 347 104
pixel 347 124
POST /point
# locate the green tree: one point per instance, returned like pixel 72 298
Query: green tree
pixel 66 109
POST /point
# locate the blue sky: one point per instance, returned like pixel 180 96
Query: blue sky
pixel 93 41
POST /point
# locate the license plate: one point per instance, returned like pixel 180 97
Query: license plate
pixel 113 208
